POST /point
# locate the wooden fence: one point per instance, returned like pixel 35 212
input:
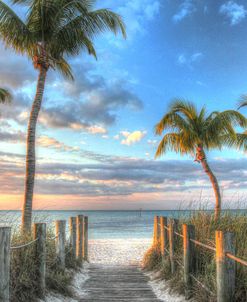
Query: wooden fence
pixel 78 242
pixel 164 234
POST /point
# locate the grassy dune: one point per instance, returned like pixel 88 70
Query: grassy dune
pixel 23 270
pixel 205 260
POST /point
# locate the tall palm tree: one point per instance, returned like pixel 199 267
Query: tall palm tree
pixel 52 32
pixel 189 131
pixel 5 95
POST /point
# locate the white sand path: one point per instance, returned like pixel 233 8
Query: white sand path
pixel 114 252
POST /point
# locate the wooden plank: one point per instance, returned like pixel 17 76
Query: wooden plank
pixel 60 242
pixel 85 238
pixel 79 241
pixel 225 267
pixel 112 299
pixel 156 230
pixel 117 284
pixel 72 231
pixel 5 235
pixel 189 257
pixel 163 236
pixel 171 244
pixel 40 254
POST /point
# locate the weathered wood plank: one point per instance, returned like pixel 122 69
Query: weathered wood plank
pixel 40 254
pixel 72 230
pixel 60 242
pixel 117 284
pixel 5 234
pixel 79 241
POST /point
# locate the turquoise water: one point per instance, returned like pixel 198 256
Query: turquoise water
pixel 103 224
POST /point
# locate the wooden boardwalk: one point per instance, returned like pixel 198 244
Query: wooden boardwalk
pixel 117 284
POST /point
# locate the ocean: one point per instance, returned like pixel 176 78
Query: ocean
pixel 102 224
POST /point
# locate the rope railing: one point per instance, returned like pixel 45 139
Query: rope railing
pixel 233 257
pixel 23 245
pixel 196 242
pixel 31 242
pixel 75 248
pixel 178 234
pixel 54 237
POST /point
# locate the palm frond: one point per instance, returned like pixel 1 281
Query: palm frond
pixel 171 120
pixel 13 30
pixel 226 121
pixel 56 29
pixel 239 141
pixel 64 68
pixel 104 20
pixel 186 108
pixel 191 128
pixel 72 39
pixel 5 96
pixel 242 101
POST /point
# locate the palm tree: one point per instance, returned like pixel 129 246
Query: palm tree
pixel 5 95
pixel 52 32
pixel 189 131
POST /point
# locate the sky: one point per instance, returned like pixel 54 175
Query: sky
pixel 95 137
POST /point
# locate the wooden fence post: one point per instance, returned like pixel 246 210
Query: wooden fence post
pixel 156 230
pixel 171 244
pixel 40 254
pixel 85 238
pixel 72 229
pixel 5 235
pixel 60 242
pixel 79 242
pixel 225 267
pixel 189 257
pixel 163 236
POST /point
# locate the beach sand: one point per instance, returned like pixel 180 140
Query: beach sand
pixel 114 252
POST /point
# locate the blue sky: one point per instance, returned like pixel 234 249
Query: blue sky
pixel 96 142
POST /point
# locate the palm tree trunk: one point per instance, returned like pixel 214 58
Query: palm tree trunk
pixel 30 157
pixel 202 157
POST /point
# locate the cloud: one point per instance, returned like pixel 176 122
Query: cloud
pixel 182 59
pixel 137 13
pixel 152 142
pixel 12 67
pixel 233 11
pixel 152 9
pixel 97 130
pixel 50 142
pixel 121 177
pixel 132 137
pixel 89 104
pixel 189 60
pixel 186 9
pixel 116 137
pixel 12 136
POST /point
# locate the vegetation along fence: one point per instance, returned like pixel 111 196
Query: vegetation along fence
pixel 165 232
pixel 78 242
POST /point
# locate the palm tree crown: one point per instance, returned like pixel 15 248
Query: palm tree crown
pixel 189 131
pixel 187 128
pixel 55 30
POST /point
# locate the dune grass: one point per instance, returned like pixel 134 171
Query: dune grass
pixel 205 260
pixel 23 286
